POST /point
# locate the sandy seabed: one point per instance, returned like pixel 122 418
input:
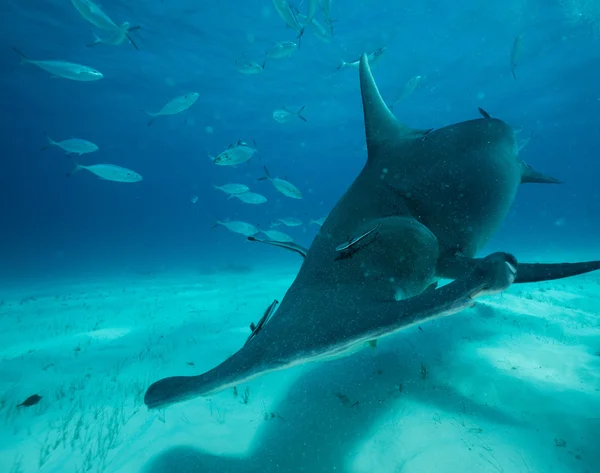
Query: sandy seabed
pixel 512 385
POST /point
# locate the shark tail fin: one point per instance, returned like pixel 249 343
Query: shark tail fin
pixel 529 174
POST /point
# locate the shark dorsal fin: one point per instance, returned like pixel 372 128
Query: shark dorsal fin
pixel 382 128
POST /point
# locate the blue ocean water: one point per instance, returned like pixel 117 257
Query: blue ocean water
pixel 56 224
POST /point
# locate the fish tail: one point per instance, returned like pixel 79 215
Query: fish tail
pixel 300 34
pixel 24 59
pixel 151 115
pixel 513 73
pixel 96 41
pixel 133 43
pixel 50 143
pixel 76 168
pixel 299 113
pixel 266 176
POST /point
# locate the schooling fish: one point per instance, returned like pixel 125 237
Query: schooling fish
pixel 286 188
pixel 64 69
pixel 109 172
pixel 234 154
pixel 237 226
pixel 233 189
pixel 72 146
pixel 249 67
pixel 283 115
pixel 281 50
pixel 251 198
pixel 175 106
pixel 515 54
pixel 374 57
pixel 116 36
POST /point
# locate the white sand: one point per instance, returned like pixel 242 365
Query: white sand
pixel 512 385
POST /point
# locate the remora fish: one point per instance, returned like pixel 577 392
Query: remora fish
pixel 64 69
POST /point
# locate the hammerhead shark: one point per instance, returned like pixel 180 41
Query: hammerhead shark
pixel 424 204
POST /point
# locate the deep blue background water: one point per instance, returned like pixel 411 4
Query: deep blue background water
pixel 52 224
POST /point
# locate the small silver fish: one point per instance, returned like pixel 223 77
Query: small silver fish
pixel 286 188
pixel 72 146
pixel 323 33
pixel 283 115
pixel 281 50
pixel 288 15
pixel 251 198
pixel 277 235
pixel 374 57
pixel 233 189
pixel 249 67
pixel 175 106
pixel 109 172
pixel 408 89
pixel 116 37
pixel 194 199
pixel 326 7
pixel 64 69
pixel 319 221
pixel 515 54
pixel 287 221
pixel 312 10
pixel 94 14
pixel 234 154
pixel 237 226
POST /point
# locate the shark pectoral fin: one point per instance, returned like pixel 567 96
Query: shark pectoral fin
pixel 491 275
pixel 241 366
pixel 458 266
